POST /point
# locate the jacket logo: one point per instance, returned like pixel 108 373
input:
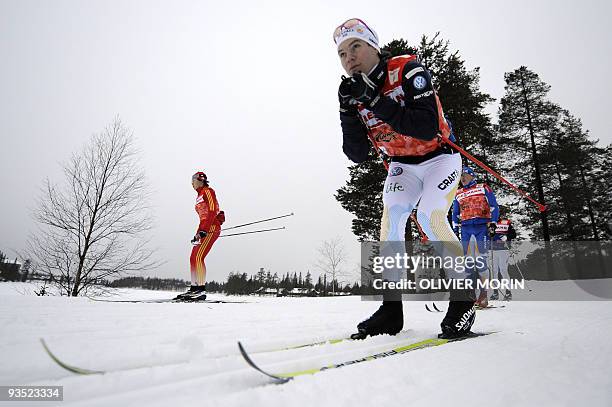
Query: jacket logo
pixel 419 82
pixel 465 319
pixel 396 171
pixel 393 187
pixel 423 95
pixel 393 75
pixel 448 181
pixel 479 190
pixel 385 137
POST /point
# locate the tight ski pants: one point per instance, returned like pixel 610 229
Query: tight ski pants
pixel 198 254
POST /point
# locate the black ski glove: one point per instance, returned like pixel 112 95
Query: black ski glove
pixel 200 235
pixel 366 88
pixel 348 105
pixel 491 227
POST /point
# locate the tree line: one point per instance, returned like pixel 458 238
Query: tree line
pixel 245 284
pixel 264 281
pixel 149 283
pixel 261 282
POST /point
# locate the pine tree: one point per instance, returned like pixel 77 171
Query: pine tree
pixel 319 285
pixel 562 156
pixel 324 284
pixel 598 178
pixel 308 280
pixel 526 117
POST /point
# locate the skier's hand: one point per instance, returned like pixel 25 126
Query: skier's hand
pixel 200 235
pixel 363 89
pixel 348 105
pixel 221 217
pixel 366 88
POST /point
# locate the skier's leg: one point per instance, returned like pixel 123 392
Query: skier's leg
pixel 203 250
pixel 502 256
pixel 481 262
pixel 400 194
pixel 193 264
pixel 461 313
pixel 193 274
pixel 468 241
pixel 437 198
pixel 497 257
pixel 494 272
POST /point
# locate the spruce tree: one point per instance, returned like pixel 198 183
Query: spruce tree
pixel 525 119
pixel 598 177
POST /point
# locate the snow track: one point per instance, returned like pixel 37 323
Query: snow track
pixel 546 353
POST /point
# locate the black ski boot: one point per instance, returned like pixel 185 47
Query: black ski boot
pixel 458 320
pixel 460 315
pixel 494 296
pixel 388 319
pixel 508 296
pixel 182 297
pixel 195 293
pixel 199 295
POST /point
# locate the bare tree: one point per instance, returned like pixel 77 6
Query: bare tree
pixel 332 257
pixel 94 226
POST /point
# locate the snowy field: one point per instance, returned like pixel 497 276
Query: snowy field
pixel 166 354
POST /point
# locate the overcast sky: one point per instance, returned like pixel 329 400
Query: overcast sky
pixel 246 91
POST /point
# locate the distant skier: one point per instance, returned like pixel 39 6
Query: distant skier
pixel 501 244
pixel 209 228
pixel 392 102
pixel 475 209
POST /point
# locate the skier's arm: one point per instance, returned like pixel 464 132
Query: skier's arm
pixel 207 210
pixel 355 143
pixel 455 213
pixel 418 117
pixel 221 217
pixel 492 204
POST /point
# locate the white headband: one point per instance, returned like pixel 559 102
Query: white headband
pixel 357 30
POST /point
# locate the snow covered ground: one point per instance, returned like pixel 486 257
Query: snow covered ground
pixel 544 353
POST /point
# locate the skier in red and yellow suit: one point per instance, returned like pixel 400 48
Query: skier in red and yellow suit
pixel 209 229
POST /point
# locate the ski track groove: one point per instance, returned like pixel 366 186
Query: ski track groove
pixel 558 342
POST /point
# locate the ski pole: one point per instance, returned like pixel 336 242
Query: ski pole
pixel 258 221
pixel 520 272
pixel 470 157
pixel 492 273
pixel 492 269
pixel 385 164
pixel 254 231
